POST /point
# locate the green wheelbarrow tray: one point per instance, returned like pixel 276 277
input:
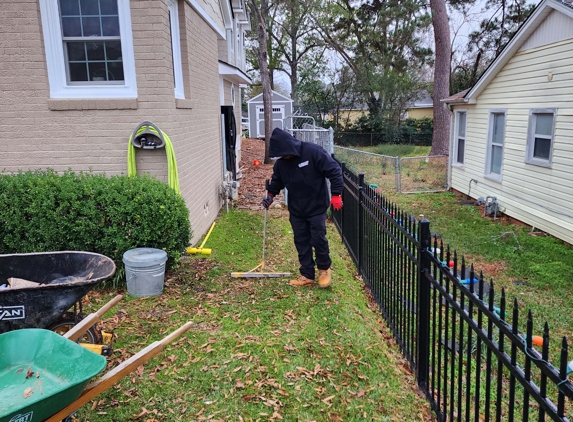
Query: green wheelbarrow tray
pixel 42 372
pixel 43 375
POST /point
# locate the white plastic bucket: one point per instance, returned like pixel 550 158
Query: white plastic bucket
pixel 145 271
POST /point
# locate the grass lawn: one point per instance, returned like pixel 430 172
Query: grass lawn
pixel 258 349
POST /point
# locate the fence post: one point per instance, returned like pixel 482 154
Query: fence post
pixel 331 139
pixel 360 222
pixel 397 173
pixel 423 308
pixel 343 169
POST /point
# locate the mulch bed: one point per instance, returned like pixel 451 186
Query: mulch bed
pixel 252 182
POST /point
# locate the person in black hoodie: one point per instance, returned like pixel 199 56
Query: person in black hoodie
pixel 302 168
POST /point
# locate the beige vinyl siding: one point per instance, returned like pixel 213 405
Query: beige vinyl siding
pixel 213 10
pixel 93 134
pixel 538 196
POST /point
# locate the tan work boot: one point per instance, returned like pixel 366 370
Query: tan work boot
pixel 301 281
pixel 324 278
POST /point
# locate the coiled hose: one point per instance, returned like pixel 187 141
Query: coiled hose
pixel 172 173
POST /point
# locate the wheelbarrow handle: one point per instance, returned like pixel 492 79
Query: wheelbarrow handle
pixel 80 328
pixel 116 374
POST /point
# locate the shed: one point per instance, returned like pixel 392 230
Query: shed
pixel 282 108
pixel 511 139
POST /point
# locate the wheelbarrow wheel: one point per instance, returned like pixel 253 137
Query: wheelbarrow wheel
pixel 68 320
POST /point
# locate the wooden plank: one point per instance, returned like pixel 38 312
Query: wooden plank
pixel 116 374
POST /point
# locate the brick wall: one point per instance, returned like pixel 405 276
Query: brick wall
pixel 85 135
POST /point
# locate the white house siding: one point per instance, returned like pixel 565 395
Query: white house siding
pixel 82 135
pixel 547 33
pixel 538 196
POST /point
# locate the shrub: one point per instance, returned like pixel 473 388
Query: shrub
pixel 43 211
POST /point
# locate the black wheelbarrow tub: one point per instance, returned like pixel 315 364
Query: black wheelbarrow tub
pixel 59 279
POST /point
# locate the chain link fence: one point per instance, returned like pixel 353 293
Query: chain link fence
pixel 404 175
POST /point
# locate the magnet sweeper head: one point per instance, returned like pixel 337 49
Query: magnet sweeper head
pixel 258 272
pixel 200 249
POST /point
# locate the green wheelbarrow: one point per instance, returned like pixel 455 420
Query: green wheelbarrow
pixel 44 376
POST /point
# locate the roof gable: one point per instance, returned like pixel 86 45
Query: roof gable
pixel 536 20
pixel 275 97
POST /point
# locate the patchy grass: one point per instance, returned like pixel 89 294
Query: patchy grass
pixel 258 349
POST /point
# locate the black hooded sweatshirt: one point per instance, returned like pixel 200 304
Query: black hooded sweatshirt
pixel 304 175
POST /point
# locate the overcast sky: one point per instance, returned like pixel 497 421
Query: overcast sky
pixel 461 26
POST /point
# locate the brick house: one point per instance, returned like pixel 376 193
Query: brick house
pixel 77 77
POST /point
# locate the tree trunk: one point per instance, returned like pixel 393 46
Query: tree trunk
pixel 441 136
pixel 260 15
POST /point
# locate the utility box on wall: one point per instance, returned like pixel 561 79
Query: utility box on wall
pixel 282 111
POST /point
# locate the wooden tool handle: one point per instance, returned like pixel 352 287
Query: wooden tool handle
pixel 79 329
pixel 116 374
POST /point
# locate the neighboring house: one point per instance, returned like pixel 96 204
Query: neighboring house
pixel 77 77
pixel 282 113
pixel 512 133
pixel 421 108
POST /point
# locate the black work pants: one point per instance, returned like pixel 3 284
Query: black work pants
pixel 309 233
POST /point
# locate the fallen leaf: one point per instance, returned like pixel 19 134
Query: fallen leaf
pixel 28 392
pixel 29 373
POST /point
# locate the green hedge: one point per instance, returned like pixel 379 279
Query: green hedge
pixel 44 211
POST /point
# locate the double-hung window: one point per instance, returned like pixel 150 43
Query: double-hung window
pixel 540 137
pixel 496 137
pixel 89 48
pixel 460 137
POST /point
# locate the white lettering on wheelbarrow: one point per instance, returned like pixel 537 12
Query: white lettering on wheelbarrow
pixel 13 312
pixel 22 418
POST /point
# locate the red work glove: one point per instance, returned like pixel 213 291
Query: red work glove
pixel 336 202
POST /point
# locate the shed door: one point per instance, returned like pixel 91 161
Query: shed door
pixel 278 116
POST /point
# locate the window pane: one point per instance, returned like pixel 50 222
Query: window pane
pixel 461 146
pixel 71 27
pixel 542 148
pixel 69 7
pixel 113 50
pixel 89 7
pixel 97 71
pixel 498 128
pixel 115 71
pixel 543 124
pixel 95 51
pixel 108 7
pixel 462 124
pixel 91 27
pixel 76 51
pixel 496 153
pixel 78 72
pixel 110 26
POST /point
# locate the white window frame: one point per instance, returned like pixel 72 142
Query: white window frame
pixel 457 137
pixel 529 158
pixel 490 145
pixel 179 91
pixel 56 64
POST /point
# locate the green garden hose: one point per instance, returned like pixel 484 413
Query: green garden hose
pixel 172 174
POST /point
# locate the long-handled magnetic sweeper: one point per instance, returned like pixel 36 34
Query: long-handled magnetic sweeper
pixel 258 271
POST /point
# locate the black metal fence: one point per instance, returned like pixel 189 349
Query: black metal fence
pixel 471 360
